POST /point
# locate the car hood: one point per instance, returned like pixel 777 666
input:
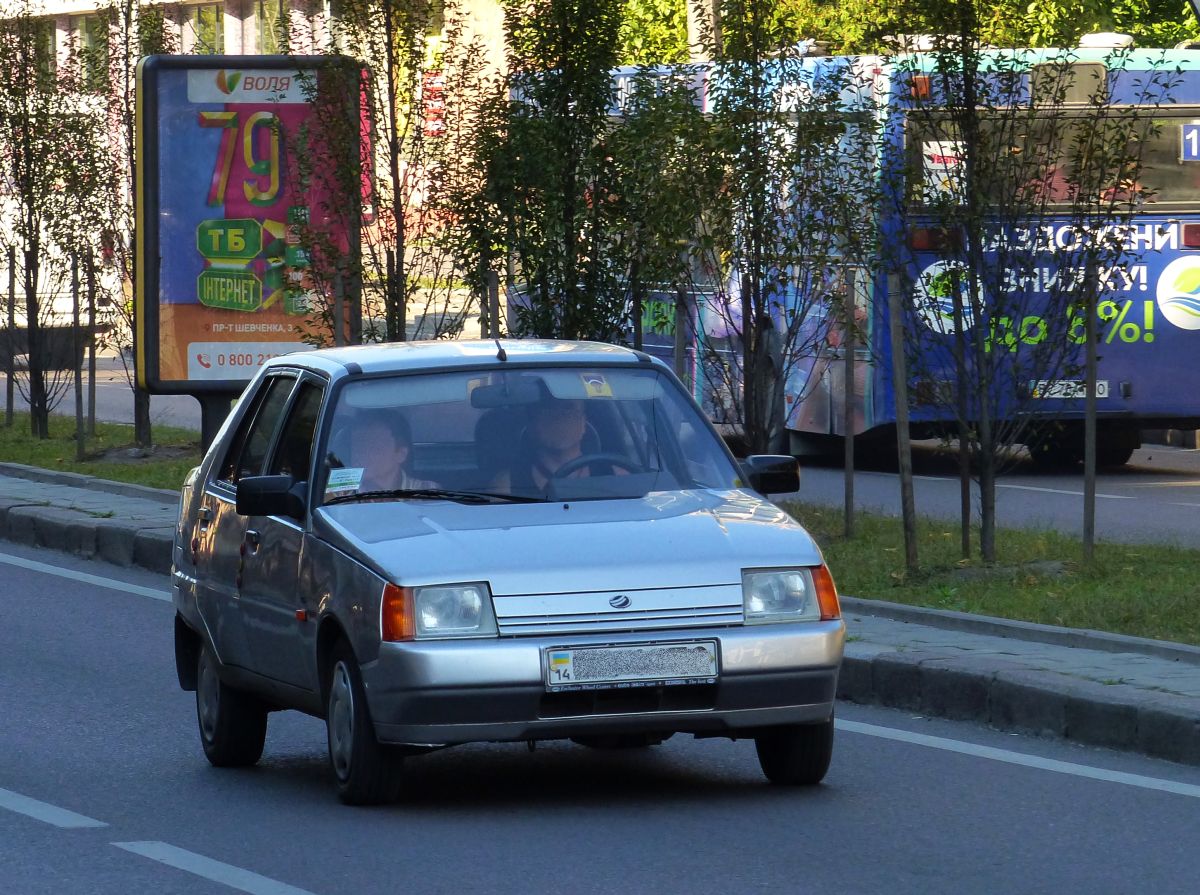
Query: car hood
pixel 665 539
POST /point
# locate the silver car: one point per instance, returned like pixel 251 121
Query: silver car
pixel 436 543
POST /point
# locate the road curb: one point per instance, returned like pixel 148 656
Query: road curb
pixel 1023 701
pixel 1081 638
pixel 87 482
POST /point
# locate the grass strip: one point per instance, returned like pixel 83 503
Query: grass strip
pixel 1142 590
pixel 111 454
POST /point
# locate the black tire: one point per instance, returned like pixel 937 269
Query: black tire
pixel 366 772
pixel 233 724
pixel 795 754
pixel 1057 448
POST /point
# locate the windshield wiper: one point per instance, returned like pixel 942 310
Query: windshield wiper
pixel 434 494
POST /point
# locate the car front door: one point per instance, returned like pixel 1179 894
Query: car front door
pixel 221 532
pixel 276 610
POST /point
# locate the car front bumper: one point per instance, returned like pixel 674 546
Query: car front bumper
pixel 445 692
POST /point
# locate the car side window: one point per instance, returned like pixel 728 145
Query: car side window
pixel 294 451
pixel 251 442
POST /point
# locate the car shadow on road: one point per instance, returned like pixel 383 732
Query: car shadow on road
pixel 556 774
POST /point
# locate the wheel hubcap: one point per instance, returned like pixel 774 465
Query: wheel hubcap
pixel 341 721
pixel 208 699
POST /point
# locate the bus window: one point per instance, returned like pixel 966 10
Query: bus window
pixel 1171 164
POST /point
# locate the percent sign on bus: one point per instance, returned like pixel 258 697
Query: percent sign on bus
pixel 1115 315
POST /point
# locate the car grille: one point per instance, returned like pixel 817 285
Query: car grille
pixel 631 610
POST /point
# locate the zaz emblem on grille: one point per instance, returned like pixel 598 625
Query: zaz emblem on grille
pixel 620 601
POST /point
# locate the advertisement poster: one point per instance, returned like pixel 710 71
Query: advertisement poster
pixel 225 282
pixel 943 163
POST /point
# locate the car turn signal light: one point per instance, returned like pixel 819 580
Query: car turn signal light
pixel 827 597
pixel 397 622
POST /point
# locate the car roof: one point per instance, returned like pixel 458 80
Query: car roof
pixel 391 357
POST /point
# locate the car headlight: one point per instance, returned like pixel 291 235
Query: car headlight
pixel 443 610
pixel 788 595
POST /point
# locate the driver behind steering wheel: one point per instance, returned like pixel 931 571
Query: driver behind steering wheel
pixel 555 438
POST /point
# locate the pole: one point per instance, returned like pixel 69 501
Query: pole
pixel 213 410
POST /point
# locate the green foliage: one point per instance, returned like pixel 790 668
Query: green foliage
pixel 861 26
pixel 653 32
pixel 1037 578
pixel 174 453
pixel 550 177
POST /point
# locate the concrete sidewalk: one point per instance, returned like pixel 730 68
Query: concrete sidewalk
pixel 1089 687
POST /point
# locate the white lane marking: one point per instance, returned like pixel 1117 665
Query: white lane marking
pixel 1018 758
pixel 34 566
pixel 216 871
pixel 1176 504
pixel 892 475
pixel 1061 491
pixel 45 812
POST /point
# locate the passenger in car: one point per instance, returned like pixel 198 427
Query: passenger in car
pixel 381 444
pixel 558 433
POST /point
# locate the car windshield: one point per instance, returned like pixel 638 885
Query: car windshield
pixel 518 435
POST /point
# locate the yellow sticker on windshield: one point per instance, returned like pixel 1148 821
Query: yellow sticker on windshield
pixel 596 386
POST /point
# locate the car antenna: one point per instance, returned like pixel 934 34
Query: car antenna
pixel 500 352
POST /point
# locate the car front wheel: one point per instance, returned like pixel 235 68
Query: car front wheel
pixel 233 724
pixel 795 754
pixel 367 773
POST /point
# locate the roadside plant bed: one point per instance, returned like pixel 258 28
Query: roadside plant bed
pixel 1141 590
pixel 111 454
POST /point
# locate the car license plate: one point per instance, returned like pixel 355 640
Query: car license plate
pixel 602 667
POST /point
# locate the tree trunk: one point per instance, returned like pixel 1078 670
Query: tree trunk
pixel 908 508
pixel 1091 302
pixel 39 413
pixel 848 343
pixel 964 432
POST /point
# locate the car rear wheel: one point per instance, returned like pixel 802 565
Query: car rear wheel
pixel 233 724
pixel 795 754
pixel 367 773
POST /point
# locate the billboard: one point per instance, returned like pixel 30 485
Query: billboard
pixel 225 280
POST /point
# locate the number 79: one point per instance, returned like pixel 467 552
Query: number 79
pixel 267 168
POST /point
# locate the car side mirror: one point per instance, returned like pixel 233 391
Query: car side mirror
pixel 772 473
pixel 270 495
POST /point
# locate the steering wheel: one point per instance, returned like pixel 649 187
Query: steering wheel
pixel 591 459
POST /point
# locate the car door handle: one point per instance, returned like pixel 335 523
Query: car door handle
pixel 204 517
pixel 253 540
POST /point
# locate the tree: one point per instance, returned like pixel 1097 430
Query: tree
pixel 49 140
pixel 131 30
pixel 384 173
pixel 789 231
pixel 548 184
pixel 1021 174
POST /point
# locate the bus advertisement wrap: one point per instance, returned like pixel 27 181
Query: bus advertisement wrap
pixel 224 277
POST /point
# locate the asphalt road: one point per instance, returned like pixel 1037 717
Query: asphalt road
pixel 1153 499
pixel 92 723
pixel 114 399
